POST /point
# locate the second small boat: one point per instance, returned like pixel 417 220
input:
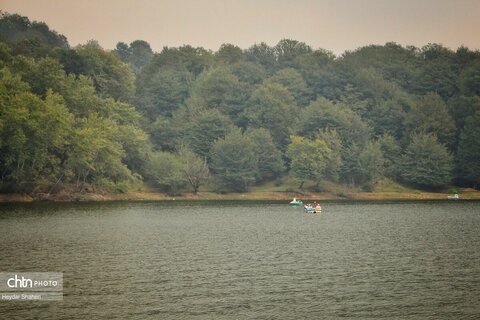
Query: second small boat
pixel 312 208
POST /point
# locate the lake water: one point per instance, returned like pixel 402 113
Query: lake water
pixel 241 260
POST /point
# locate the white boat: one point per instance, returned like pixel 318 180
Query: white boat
pixel 454 197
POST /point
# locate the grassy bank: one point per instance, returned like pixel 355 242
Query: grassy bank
pixel 384 190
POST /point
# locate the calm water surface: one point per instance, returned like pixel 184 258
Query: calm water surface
pixel 247 260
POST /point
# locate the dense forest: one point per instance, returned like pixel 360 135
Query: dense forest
pixel 85 119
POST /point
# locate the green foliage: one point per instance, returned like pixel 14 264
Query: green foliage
pixel 308 159
pixel 167 171
pixel 362 166
pixel 220 89
pixel 324 114
pixel 287 50
pixel 31 38
pixel 470 80
pixel 202 132
pixel 272 107
pixel 293 81
pixel 164 92
pixel 437 73
pixel 430 114
pixel 249 72
pixel 163 134
pixel 229 53
pixel 96 152
pixel 351 170
pixel 33 134
pixel 334 159
pixel 426 162
pixel 41 74
pixel 263 55
pixel 371 165
pixel 318 68
pixel 72 117
pixel 111 77
pixel 195 169
pixel 270 164
pixel 391 152
pixel 136 55
pixel 234 162
pixel 468 156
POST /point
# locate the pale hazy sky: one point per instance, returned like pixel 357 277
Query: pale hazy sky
pixel 336 25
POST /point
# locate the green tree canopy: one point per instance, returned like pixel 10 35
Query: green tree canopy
pixel 430 114
pixel 270 163
pixel 426 162
pixel 293 81
pixel 111 77
pixel 469 151
pixel 219 88
pixel 308 159
pixel 201 133
pixel 272 107
pixel 234 161
pixel 167 170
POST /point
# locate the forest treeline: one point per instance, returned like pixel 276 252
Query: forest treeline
pixel 87 119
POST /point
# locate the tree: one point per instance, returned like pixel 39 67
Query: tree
pixel 324 114
pixel 470 79
pixel 167 171
pixel 165 92
pixel 334 158
pixel 272 107
pixel 249 72
pixel 308 159
pixel 287 50
pixel 430 115
pixel 234 162
pixel 270 163
pixel 293 81
pixel 229 53
pixel 468 155
pixel 426 162
pixel 351 169
pixel 111 77
pixel 195 169
pixel 141 53
pixel 391 152
pixel 318 68
pixel 202 132
pixel 136 55
pixel 436 72
pixel 31 38
pixel 95 155
pixel 371 165
pixel 163 134
pixel 33 136
pixel 263 55
pixel 220 89
pixel 41 74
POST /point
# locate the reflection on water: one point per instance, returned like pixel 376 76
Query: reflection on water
pixel 247 260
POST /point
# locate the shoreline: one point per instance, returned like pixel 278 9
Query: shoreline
pixel 465 194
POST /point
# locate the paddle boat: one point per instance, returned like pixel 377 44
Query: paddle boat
pixel 312 208
pixel 296 202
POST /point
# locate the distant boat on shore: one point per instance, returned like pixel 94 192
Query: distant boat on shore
pixel 454 197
